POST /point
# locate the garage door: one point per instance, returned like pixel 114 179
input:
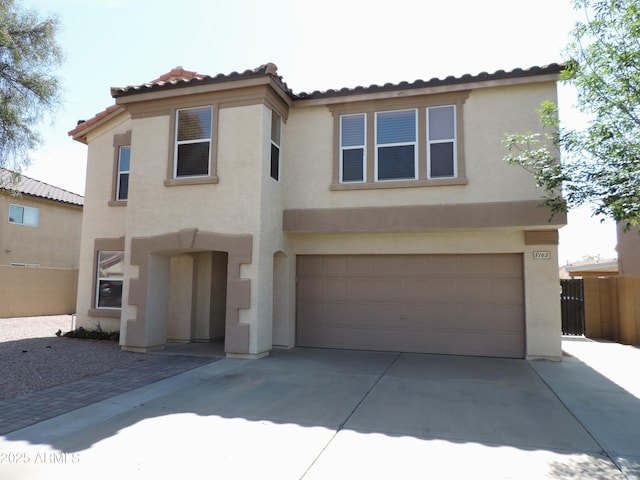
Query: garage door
pixel 449 304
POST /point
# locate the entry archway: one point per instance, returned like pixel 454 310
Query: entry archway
pixel 149 293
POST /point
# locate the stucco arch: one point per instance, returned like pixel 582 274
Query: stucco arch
pixel 151 255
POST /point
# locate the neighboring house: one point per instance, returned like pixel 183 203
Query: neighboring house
pixel 379 218
pixel 40 227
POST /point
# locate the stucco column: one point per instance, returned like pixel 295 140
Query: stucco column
pixel 542 297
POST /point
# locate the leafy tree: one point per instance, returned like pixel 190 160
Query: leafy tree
pixel 601 163
pixel 28 53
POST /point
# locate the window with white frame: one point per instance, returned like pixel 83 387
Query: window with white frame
pixel 396 145
pixel 20 215
pixel 441 139
pixel 124 166
pixel 399 142
pixel 193 142
pixel 276 133
pixel 110 271
pixel 352 148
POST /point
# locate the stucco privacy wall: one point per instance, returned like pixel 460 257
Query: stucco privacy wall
pixel 28 292
pixel 488 114
pixel 540 276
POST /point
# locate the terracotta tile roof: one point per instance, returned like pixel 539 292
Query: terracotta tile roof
pixel 552 68
pixel 11 182
pixel 179 77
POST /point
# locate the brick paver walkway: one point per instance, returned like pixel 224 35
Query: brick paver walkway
pixel 34 407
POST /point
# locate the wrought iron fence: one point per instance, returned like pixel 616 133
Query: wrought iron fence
pixel 572 304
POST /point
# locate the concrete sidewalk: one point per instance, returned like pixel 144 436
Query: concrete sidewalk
pixel 318 414
pixel 599 382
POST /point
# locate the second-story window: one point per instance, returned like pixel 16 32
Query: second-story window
pixel 399 142
pixel 352 147
pixel 441 153
pixel 276 131
pixel 20 215
pixel 193 142
pixel 396 145
pixel 124 166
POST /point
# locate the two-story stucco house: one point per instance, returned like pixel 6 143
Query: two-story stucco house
pixel 379 218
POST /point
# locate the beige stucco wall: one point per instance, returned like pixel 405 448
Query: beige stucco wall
pixel 37 291
pixel 269 243
pixel 100 220
pixel 284 300
pixel 55 242
pixel 227 207
pixel 197 296
pixel 488 114
pixel 181 283
pixel 154 209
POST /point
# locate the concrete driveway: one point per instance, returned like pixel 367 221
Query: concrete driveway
pixel 318 414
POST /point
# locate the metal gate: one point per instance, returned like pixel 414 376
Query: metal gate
pixel 572 304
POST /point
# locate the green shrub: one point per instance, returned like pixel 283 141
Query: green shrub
pixel 97 334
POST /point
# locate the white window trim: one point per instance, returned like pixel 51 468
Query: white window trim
pixel 186 142
pixel 120 172
pixel 354 147
pixel 23 210
pixel 449 140
pixel 400 144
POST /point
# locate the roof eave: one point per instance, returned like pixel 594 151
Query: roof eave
pixel 52 200
pixel 264 73
pixel 81 132
pixel 194 88
pixel 549 73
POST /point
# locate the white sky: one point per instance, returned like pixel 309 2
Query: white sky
pixel 316 45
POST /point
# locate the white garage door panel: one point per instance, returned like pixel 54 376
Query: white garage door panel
pixel 453 304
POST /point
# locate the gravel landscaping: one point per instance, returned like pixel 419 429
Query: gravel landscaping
pixel 33 358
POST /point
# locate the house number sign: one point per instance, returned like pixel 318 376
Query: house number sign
pixel 541 255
